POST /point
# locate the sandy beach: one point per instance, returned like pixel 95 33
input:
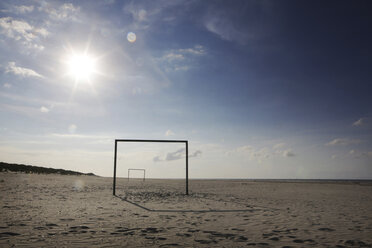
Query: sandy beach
pixel 80 211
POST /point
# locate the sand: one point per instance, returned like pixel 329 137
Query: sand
pixel 80 211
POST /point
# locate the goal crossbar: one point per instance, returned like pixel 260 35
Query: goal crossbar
pixel 153 141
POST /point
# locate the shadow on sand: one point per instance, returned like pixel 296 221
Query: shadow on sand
pixel 186 210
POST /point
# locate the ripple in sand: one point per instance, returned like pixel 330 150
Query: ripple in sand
pixel 7 234
pixel 51 224
pixel 205 241
pixel 326 229
pixel 166 245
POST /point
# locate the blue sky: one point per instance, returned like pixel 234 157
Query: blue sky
pixel 261 89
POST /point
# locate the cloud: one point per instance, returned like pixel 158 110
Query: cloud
pixel 142 16
pixel 19 9
pixel 181 59
pixel 254 154
pixel 179 154
pixel 173 56
pixel 139 15
pixel 288 153
pixel 7 85
pixel 278 146
pixel 196 50
pixel 169 133
pixel 225 21
pixel 25 110
pixel 66 11
pixel 195 154
pixel 44 109
pixel 183 53
pixel 22 31
pixel 359 122
pixel 21 71
pixel 157 159
pixel 22 9
pixel 245 149
pixel 72 128
pixel 260 154
pixel 225 29
pixel 343 142
pixel 360 154
pixel 150 13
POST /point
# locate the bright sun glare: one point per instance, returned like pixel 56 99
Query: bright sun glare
pixel 81 67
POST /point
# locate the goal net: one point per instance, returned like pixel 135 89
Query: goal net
pixel 134 170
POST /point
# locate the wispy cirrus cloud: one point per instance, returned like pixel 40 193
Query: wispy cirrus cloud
pixel 18 9
pixel 225 28
pixel 66 11
pixel 343 142
pixel 264 153
pixel 21 71
pixel 24 9
pixel 20 109
pixel 257 154
pixel 176 155
pixel 152 13
pixel 225 22
pixel 181 59
pixel 360 154
pixel 22 31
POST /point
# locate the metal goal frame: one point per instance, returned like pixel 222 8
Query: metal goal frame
pixel 144 172
pixel 151 141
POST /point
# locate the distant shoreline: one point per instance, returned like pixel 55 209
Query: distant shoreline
pixel 10 167
pixel 248 180
pixel 7 167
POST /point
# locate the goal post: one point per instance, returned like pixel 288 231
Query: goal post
pixel 144 172
pixel 151 141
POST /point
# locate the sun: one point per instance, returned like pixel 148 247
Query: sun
pixel 81 67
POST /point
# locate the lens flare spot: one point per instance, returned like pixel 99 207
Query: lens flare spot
pixel 79 185
pixel 131 37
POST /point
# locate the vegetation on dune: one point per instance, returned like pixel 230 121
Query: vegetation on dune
pixel 38 170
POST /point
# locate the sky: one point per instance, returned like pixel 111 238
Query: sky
pixel 260 89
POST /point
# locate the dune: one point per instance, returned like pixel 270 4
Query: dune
pixel 54 210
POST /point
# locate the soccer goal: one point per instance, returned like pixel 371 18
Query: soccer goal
pixel 144 172
pixel 151 141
